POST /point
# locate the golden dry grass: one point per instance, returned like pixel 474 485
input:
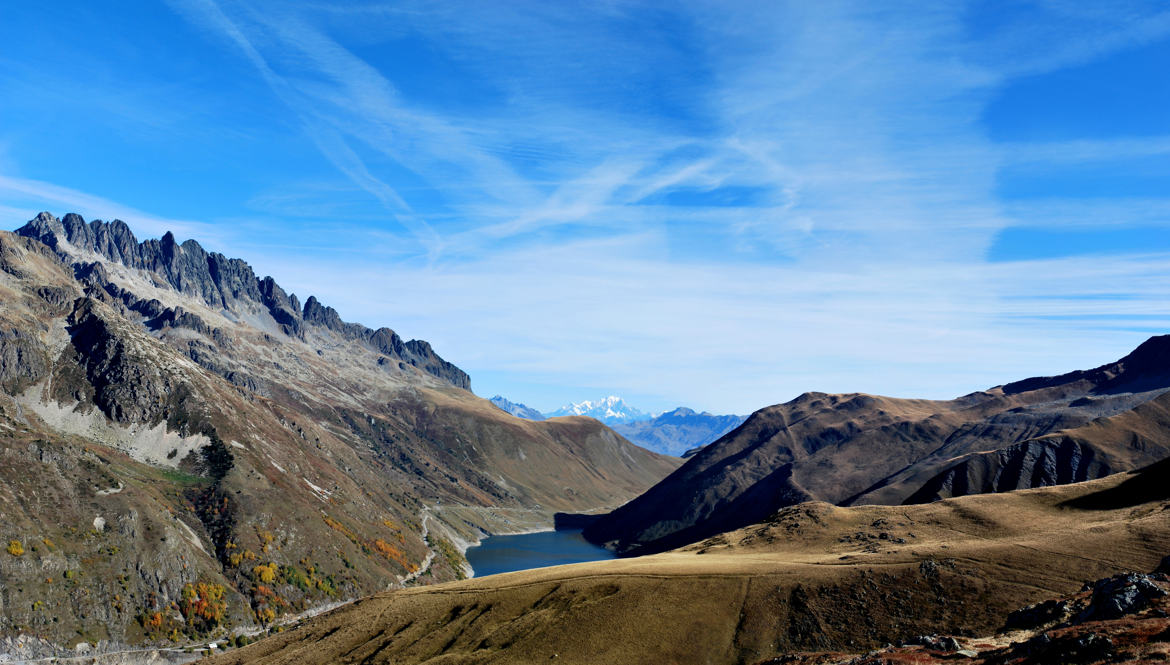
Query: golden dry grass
pixel 815 577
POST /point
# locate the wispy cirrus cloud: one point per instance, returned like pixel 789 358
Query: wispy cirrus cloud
pixel 713 203
pixel 858 131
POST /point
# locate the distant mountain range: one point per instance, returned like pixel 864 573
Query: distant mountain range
pixel 681 432
pixel 609 410
pixel 517 409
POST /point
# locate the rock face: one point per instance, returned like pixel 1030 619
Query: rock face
pixel 863 449
pixel 224 283
pixel 1117 596
pixel 185 448
pixel 679 431
pixel 23 361
pixel 1063 457
pixel 1034 463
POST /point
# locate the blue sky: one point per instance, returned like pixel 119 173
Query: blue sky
pixel 717 204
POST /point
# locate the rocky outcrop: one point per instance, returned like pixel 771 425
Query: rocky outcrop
pixel 1117 596
pixel 1036 463
pixel 1121 619
pixel 219 281
pixel 122 378
pixel 23 360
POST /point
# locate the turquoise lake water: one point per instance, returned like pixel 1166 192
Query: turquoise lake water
pixel 505 554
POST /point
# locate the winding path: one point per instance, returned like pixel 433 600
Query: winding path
pixel 424 514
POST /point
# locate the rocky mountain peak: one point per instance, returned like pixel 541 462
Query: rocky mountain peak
pixel 220 282
pixel 1145 368
pixel 1152 355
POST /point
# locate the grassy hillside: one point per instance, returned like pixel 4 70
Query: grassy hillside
pixel 812 577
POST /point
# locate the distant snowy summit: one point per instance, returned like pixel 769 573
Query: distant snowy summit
pixel 610 410
pixel 517 409
pixel 681 432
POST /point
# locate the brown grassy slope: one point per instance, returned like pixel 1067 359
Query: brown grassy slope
pixel 814 577
pixel 858 448
pixel 562 464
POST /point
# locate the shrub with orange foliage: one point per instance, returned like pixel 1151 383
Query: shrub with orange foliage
pixel 203 605
pixel 340 528
pixel 393 554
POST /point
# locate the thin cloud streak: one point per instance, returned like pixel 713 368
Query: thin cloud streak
pixel 332 146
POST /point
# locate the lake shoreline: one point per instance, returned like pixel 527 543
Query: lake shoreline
pixel 535 548
pixel 465 546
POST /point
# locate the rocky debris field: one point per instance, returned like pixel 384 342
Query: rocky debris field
pixel 1119 620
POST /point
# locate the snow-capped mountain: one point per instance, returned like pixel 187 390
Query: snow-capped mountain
pixel 609 410
pixel 517 409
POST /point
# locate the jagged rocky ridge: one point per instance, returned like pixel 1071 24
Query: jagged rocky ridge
pixel 863 449
pixel 220 282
